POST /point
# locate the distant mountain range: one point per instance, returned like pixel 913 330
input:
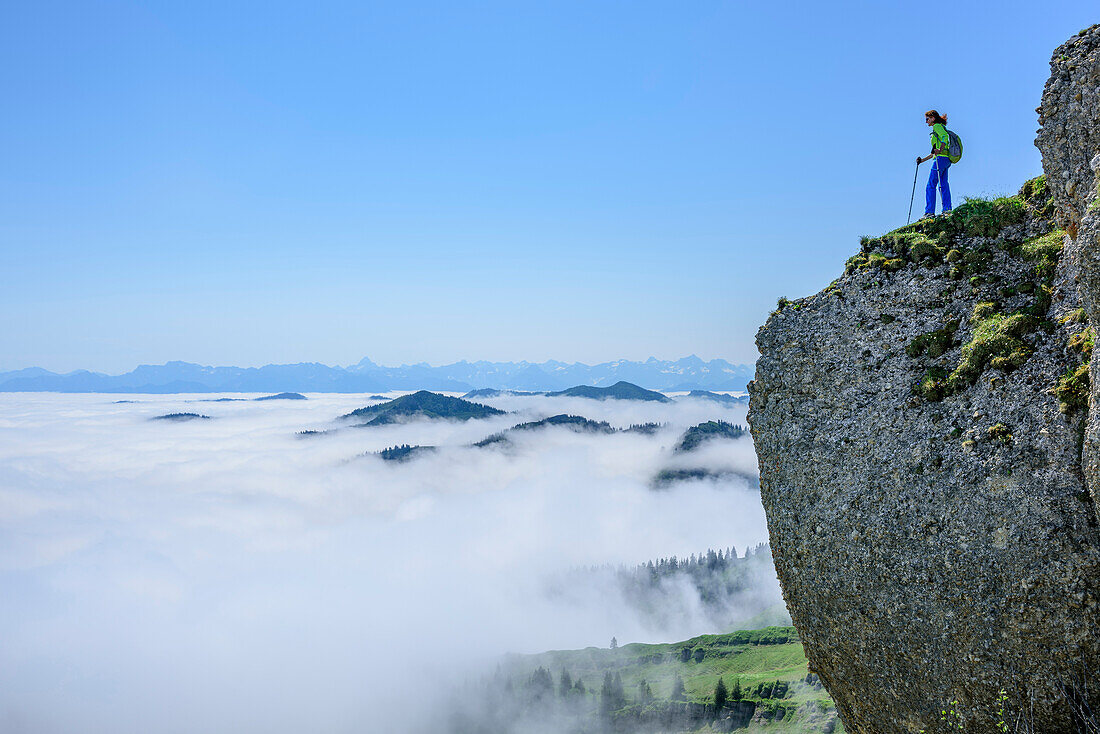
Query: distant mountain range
pixel 689 373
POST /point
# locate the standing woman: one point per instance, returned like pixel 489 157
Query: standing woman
pixel 940 143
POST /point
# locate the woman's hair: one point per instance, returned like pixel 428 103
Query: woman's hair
pixel 937 117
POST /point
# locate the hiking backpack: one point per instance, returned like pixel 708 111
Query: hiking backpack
pixel 954 147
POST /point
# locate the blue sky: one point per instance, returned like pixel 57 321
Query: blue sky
pixel 245 183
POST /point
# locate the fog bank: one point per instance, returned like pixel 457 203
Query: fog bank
pixel 228 575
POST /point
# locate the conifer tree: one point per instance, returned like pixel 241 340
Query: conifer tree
pixel 566 683
pixel 735 693
pixel 541 683
pixel 720 695
pixel 607 694
pixel 614 643
pixel 678 693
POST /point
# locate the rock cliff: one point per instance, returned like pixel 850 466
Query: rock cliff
pixel 926 451
pixel 1069 139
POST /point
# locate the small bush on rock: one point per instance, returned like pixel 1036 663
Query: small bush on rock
pixel 933 386
pixel 1043 295
pixel 1076 316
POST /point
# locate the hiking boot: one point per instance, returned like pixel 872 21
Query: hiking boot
pixel 927 216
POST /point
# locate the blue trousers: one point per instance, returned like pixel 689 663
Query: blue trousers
pixel 938 175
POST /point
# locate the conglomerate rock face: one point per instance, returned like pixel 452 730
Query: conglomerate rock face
pixel 1069 133
pixel 919 426
pixel 1069 139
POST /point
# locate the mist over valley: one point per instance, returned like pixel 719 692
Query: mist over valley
pixel 220 573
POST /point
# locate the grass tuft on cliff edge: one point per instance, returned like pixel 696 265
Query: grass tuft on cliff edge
pixel 931 241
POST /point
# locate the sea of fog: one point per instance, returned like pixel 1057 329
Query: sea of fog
pixel 228 575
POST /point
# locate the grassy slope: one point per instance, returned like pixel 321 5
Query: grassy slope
pixel 733 656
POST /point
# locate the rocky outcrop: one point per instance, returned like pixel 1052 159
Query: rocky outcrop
pixel 919 426
pixel 1069 133
pixel 1069 139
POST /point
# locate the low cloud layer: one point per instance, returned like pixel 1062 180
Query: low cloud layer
pixel 230 576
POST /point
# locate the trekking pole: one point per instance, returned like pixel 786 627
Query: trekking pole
pixel 912 195
pixel 939 183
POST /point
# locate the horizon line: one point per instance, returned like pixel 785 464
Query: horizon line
pixel 382 366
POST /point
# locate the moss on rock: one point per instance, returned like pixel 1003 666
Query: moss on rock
pixel 933 343
pixel 1082 342
pixel 873 260
pixel 996 342
pixel 983 310
pixel 1072 389
pixel 1044 251
pixel 1037 195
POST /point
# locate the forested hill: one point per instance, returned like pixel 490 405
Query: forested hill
pixel 752 680
pixel 619 391
pixel 700 434
pixel 422 404
pixel 726 590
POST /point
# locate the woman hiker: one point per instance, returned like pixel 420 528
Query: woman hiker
pixel 938 174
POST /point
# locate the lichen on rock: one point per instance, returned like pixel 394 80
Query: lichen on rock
pixel 927 477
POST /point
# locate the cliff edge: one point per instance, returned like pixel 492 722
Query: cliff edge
pixel 1069 140
pixel 928 463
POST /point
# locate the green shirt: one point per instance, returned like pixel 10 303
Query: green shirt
pixel 941 141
